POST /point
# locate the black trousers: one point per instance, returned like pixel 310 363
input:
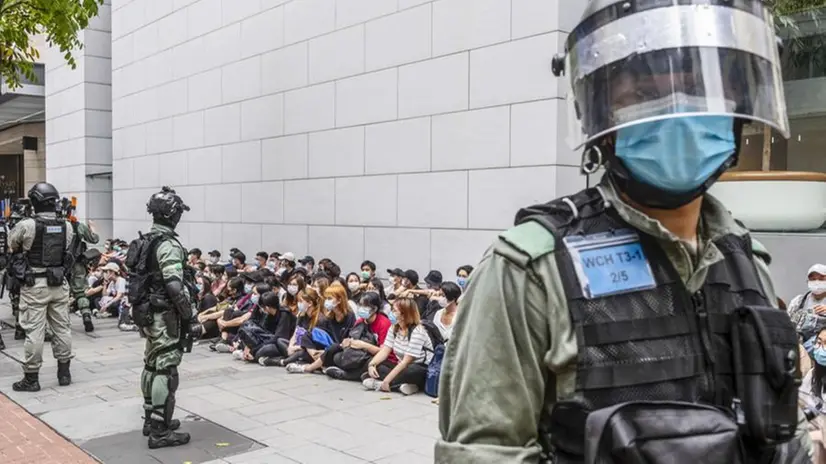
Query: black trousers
pixel 414 373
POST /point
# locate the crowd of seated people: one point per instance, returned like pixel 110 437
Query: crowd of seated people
pixel 308 317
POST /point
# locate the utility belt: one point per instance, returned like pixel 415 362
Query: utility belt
pixel 55 277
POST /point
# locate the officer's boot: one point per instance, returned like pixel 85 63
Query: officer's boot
pixel 87 322
pixel 64 377
pixel 161 434
pixel 2 344
pixel 174 424
pixel 30 383
pixel 19 333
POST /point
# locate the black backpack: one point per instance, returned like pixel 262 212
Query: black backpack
pixel 433 332
pixel 140 274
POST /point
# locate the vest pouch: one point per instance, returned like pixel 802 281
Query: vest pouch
pixel 662 432
pixel 767 376
pixel 142 315
pixel 55 276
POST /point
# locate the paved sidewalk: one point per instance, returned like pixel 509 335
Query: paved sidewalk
pixel 237 412
pixel 24 439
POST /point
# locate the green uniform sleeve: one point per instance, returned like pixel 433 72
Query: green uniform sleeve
pixel 86 233
pixel 170 261
pixel 494 374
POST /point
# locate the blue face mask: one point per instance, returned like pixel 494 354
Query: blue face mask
pixel 254 299
pixel 247 288
pixel 676 155
pixel 364 312
pixel 200 287
pixel 393 318
pixel 819 355
pixel 461 282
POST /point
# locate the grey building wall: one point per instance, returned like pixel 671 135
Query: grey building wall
pixel 404 131
pixel 79 123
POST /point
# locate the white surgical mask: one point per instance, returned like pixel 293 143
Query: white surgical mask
pixel 292 289
pixel 329 305
pixel 818 287
pixel 442 302
pixel 302 307
pixel 353 286
pixel 247 288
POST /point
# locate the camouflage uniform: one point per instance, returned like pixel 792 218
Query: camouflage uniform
pixel 78 278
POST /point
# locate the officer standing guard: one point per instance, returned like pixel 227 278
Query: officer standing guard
pixel 635 321
pixel 83 233
pixel 40 262
pixel 160 291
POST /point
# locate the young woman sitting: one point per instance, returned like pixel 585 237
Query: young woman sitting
pixel 411 344
pixel 289 349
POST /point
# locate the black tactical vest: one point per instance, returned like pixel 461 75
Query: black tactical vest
pixel 49 243
pixel 663 343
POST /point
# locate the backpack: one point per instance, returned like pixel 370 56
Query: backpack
pixel 140 276
pixel 434 369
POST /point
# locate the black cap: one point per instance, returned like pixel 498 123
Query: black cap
pixel 433 278
pixel 254 277
pixel 306 259
pixel 395 272
pixel 214 253
pixel 412 276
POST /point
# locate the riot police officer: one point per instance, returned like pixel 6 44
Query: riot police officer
pixel 627 302
pixel 84 233
pixel 162 306
pixel 40 262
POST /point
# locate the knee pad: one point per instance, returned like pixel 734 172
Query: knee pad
pixel 172 385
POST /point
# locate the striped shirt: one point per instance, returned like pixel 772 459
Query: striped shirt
pixel 417 345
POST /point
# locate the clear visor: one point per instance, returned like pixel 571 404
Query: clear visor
pixel 652 82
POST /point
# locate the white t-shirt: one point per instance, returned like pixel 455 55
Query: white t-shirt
pixel 417 345
pixel 116 286
pixel 445 330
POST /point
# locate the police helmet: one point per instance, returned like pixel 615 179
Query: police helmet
pixel 43 193
pixel 630 62
pixel 166 207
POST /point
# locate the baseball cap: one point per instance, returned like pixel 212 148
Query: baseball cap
pixel 412 276
pixel 110 266
pixel 395 272
pixel 254 276
pixel 288 257
pixel 433 278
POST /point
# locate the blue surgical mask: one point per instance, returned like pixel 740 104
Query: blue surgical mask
pixel 364 312
pixel 247 288
pixel 255 298
pixel 461 282
pixel 819 355
pixel 200 287
pixel 676 155
pixel 271 265
pixel 393 318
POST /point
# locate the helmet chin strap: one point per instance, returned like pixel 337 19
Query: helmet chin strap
pixel 653 197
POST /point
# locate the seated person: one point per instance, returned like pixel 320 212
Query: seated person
pixel 308 317
pixel 231 323
pixel 278 323
pixel 336 324
pixel 447 299
pixel 808 310
pixel 375 285
pixel 206 299
pixel 410 289
pixel 348 360
pixel 411 344
pixel 114 290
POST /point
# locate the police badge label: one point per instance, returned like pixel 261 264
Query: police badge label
pixel 610 263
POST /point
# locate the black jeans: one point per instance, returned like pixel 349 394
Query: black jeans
pixel 414 373
pixel 332 357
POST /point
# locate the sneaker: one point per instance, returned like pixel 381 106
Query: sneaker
pixel 128 328
pixel 408 389
pixel 334 372
pixel 270 362
pixel 96 313
pixel 223 348
pixel 295 368
pixel 238 355
pixel 372 384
